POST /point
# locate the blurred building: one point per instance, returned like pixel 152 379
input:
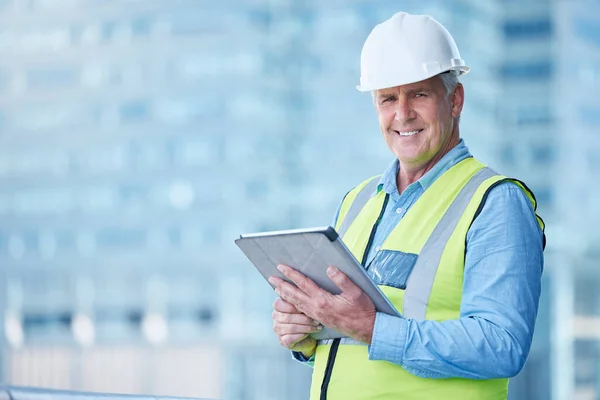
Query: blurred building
pixel 136 143
pixel 139 138
pixel 577 328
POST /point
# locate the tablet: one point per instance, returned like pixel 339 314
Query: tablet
pixel 311 251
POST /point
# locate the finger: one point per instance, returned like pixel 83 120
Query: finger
pixel 289 329
pixel 349 289
pixel 302 282
pixel 290 341
pixel 293 295
pixel 285 307
pixel 300 319
pixel 275 281
pixel 287 291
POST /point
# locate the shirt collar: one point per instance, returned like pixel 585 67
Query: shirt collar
pixel 387 182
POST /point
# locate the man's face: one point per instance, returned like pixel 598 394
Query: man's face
pixel 417 120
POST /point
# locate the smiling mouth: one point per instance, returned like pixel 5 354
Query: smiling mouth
pixel 409 133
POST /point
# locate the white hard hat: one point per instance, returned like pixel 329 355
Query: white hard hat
pixel 406 49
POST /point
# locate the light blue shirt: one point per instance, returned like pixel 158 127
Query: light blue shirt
pixel 501 289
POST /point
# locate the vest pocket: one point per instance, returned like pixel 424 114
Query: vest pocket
pixel 392 268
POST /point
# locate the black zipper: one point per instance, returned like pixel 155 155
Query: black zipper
pixel 329 368
pixel 336 342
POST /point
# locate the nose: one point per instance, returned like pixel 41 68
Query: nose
pixel 403 110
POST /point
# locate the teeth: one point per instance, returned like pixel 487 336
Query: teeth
pixel 411 133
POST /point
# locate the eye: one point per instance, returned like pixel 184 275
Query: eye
pixel 418 95
pixel 388 99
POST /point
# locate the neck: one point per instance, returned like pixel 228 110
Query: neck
pixel 409 173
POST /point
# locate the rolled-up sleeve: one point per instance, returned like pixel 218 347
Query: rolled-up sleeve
pixel 501 290
pixel 296 355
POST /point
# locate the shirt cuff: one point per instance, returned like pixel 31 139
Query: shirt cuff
pixel 389 338
pixel 298 356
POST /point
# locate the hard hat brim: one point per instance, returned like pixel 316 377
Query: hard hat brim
pixel 461 70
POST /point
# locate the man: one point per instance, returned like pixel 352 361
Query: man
pixel 456 247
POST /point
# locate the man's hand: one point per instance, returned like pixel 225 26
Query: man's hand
pixel 351 312
pixel 293 328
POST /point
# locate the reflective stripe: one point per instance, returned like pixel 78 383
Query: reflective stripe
pixel 345 340
pixel 420 281
pixel 359 202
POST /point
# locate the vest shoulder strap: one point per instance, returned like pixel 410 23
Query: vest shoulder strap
pixel 354 202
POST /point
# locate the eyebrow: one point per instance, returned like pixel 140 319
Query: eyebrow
pixel 416 90
pixel 421 89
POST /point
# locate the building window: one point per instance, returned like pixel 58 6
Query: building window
pixel 587 29
pixel 507 155
pixel 589 116
pixel 51 116
pixel 94 75
pixel 107 30
pixel 134 110
pixel 256 189
pixel 174 235
pixel 65 240
pixel 85 243
pixel 528 29
pixel 50 78
pixel 102 160
pixel 527 71
pixel 594 161
pixel 44 40
pixel 194 152
pixel 16 247
pixel 141 26
pixel 145 155
pixel 56 4
pixel 100 198
pixel 534 116
pixel 4 78
pixel 182 111
pixel 543 196
pixel 35 162
pixel 133 194
pixel 181 195
pixel 90 34
pixel 121 237
pixel 543 154
pixel 190 23
pixel 5 204
pixel 44 201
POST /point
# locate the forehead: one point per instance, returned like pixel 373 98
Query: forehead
pixel 428 84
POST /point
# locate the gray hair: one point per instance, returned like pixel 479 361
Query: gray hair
pixel 450 81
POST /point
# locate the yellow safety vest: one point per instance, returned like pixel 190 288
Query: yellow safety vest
pixel 435 229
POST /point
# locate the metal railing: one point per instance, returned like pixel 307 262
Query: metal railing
pixel 27 393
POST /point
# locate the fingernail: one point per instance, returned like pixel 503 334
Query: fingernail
pixel 320 327
pixel 315 322
pixel 280 268
pixel 271 281
pixel 332 271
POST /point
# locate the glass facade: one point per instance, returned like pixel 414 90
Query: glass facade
pixel 138 139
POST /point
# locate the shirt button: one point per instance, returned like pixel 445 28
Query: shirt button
pixel 399 210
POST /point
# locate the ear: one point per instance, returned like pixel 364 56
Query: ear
pixel 458 99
